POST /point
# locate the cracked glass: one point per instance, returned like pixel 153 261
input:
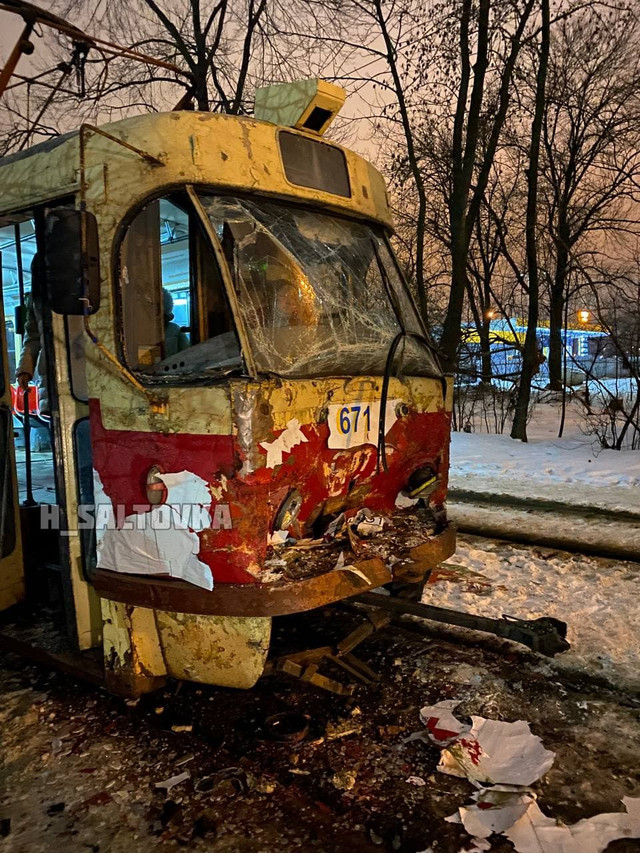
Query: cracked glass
pixel 319 294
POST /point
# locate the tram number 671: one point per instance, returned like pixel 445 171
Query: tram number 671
pixel 349 419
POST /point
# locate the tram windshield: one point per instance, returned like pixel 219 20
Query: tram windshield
pixel 319 294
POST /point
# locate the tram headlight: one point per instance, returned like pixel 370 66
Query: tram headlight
pixel 156 489
pixel 289 510
pixel 423 482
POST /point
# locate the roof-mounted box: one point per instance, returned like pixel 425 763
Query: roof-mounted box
pixel 304 104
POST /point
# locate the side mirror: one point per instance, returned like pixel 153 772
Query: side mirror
pixel 72 276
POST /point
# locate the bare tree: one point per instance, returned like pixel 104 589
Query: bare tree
pixel 206 55
pixel 530 349
pixel 591 139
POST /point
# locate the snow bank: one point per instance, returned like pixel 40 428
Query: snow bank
pixel 568 469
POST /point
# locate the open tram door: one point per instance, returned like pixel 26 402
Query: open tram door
pixel 50 613
pixel 11 564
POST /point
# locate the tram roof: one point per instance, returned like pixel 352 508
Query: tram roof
pixel 236 153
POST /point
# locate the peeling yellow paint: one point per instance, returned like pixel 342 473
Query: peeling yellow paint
pixel 262 408
pixel 130 639
pixel 218 491
pixel 227 650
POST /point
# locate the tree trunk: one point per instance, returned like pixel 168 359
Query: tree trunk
pixel 556 320
pixel 451 331
pixel 530 350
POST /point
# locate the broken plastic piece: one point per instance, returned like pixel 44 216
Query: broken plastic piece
pixel 167 784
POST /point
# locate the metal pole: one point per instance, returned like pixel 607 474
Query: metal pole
pixel 29 501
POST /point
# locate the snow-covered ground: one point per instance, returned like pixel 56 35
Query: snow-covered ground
pixel 596 597
pixel 572 469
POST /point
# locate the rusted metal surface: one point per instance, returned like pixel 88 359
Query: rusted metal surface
pixel 233 461
pixel 426 557
pixel 275 599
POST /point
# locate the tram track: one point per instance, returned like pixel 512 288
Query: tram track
pixel 582 529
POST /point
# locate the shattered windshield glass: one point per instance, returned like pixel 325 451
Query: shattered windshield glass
pixel 319 294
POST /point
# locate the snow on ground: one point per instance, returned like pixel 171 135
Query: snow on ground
pixel 596 597
pixel 571 469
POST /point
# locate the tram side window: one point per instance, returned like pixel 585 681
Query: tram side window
pixel 175 314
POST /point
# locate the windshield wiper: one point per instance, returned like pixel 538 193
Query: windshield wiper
pixel 402 334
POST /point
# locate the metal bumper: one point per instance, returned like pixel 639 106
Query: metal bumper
pixel 280 597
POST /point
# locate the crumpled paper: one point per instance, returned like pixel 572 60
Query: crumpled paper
pixel 509 758
pixel 488 751
pixel 534 832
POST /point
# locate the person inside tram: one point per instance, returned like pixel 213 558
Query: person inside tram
pixel 175 339
pixel 32 358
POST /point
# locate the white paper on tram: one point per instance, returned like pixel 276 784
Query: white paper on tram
pixel 157 542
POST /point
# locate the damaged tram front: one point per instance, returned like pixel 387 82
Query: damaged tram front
pixel 246 417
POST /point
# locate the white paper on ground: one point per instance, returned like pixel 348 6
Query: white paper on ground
pixel 495 810
pixel 442 726
pixel 284 443
pixel 488 751
pixel 536 833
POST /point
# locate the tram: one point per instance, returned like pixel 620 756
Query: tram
pixel 245 415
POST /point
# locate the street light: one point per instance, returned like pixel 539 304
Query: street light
pixel 584 316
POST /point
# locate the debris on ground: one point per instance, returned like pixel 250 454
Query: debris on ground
pixel 168 784
pixel 534 832
pixel 249 793
pixel 509 758
pixel 519 818
pixel 344 780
